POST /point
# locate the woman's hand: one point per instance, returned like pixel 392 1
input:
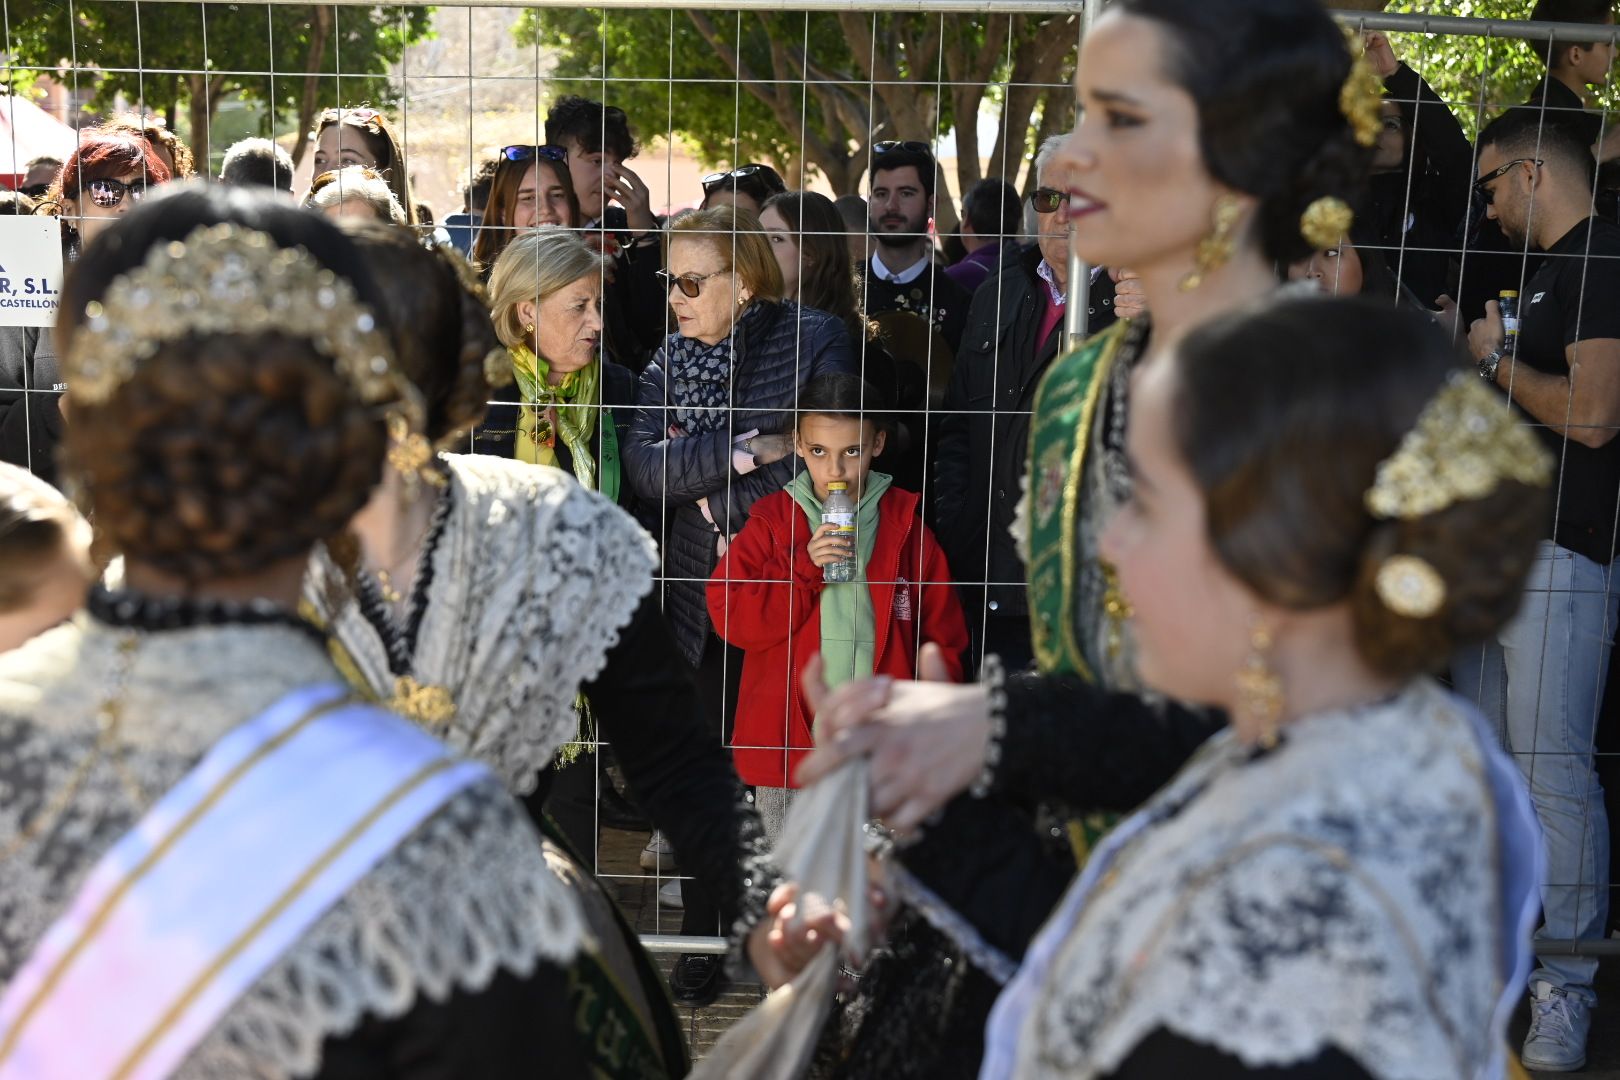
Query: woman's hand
pixel 1380 55
pixel 926 740
pixel 769 449
pixel 827 545
pixel 781 945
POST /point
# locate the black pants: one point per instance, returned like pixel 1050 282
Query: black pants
pixel 719 676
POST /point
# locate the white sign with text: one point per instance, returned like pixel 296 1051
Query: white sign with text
pixel 30 270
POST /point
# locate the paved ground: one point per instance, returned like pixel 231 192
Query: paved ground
pixel 636 892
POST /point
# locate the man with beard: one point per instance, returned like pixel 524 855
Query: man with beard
pixel 1542 679
pixel 902 274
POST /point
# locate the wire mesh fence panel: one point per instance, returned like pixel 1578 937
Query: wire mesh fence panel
pixel 756 201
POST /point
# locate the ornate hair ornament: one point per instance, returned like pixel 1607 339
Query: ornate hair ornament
pixel 1464 444
pixel 1362 95
pixel 1326 222
pixel 227 280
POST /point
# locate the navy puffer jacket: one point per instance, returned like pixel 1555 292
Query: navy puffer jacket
pixel 788 347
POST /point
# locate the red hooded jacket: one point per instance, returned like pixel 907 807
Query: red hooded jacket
pixel 764 598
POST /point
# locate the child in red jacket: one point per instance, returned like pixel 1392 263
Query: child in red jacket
pixel 768 597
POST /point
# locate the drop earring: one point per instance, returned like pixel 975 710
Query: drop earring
pixel 1215 250
pixel 1260 690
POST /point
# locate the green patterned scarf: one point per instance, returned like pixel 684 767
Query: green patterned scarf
pixel 848 623
pixel 577 400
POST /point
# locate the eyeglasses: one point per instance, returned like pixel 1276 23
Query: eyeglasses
pixel 330 176
pixel 1482 187
pixel 715 179
pixel 1045 200
pixel 34 191
pixel 891 146
pixel 529 153
pixel 690 284
pixel 108 193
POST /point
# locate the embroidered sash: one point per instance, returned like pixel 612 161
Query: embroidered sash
pixel 1060 433
pixel 222 875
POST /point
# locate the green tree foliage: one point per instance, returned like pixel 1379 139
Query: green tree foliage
pixel 814 90
pixel 173 56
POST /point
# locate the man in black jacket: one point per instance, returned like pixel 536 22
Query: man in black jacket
pixel 30 384
pixel 1014 332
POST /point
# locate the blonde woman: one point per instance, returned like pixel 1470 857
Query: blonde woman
pixel 546 301
pixel 355 191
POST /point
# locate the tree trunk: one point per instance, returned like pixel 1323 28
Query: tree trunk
pixel 309 100
pixel 1055 106
pixel 197 123
pixel 1038 60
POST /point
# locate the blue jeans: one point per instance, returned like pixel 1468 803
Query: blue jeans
pixel 1541 683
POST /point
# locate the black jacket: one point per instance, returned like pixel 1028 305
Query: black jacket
pixel 635 305
pixel 984 433
pixel 789 347
pixel 30 382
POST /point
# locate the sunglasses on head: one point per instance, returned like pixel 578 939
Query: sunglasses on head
pixel 690 284
pixel 715 179
pixel 1482 187
pixel 892 146
pixel 1045 200
pixel 108 193
pixel 370 118
pixel 34 191
pixel 529 153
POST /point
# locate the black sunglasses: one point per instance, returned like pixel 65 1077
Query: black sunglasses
pixel 108 193
pixel 715 179
pixel 690 284
pixel 34 191
pixel 892 146
pixel 1046 200
pixel 529 153
pixel 1482 187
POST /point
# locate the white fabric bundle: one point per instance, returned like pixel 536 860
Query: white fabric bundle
pixel 823 850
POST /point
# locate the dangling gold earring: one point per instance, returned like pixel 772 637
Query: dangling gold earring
pixel 411 455
pixel 1116 609
pixel 1215 250
pixel 1260 691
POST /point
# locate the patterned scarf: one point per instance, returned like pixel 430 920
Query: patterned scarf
pixel 700 375
pixel 576 401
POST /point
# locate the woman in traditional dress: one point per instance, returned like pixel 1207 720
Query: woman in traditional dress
pixel 214 860
pixel 1343 882
pixel 1216 143
pixel 487 596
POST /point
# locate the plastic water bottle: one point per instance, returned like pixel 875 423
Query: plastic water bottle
pixel 839 511
pixel 1508 301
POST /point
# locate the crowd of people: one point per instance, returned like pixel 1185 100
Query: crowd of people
pixel 1230 684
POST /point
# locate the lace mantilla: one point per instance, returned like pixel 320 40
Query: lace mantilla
pixel 395 923
pixel 468 892
pixel 1341 891
pixel 533 579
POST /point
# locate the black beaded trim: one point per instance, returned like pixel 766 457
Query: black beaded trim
pixel 400 644
pixel 153 614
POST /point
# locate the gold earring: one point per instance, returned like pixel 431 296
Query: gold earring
pixel 1116 609
pixel 528 328
pixel 411 455
pixel 1215 250
pixel 1260 691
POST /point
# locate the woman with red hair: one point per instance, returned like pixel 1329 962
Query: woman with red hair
pixel 108 173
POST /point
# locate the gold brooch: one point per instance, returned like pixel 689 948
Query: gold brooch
pixel 424 705
pixel 1410 586
pixel 1326 222
pixel 1362 95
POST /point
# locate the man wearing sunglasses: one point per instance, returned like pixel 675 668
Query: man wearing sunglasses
pixel 1014 332
pixel 40 174
pixel 1542 680
pixel 902 274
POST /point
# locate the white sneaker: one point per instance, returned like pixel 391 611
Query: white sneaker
pixel 658 854
pixel 669 896
pixel 1558 1027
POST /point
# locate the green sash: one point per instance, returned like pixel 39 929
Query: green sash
pixel 1060 434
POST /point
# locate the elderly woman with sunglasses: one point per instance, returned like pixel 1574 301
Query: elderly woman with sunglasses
pixel 711 434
